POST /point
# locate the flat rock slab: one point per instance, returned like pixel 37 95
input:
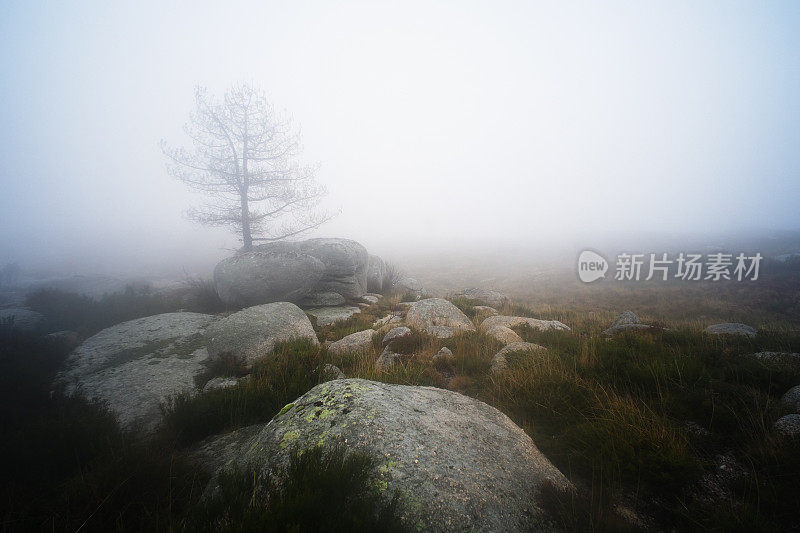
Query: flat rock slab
pixel 136 365
pixel 456 463
pixel 330 315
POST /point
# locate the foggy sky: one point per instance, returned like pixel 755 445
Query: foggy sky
pixel 435 123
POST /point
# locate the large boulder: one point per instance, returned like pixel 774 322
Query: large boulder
pixel 438 317
pixel 456 463
pixel 273 272
pixel 486 296
pixel 731 329
pixel 376 270
pixel 20 319
pixel 514 321
pixel 136 365
pixel 253 332
pixel 345 263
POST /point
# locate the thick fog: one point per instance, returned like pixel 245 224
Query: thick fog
pixel 437 125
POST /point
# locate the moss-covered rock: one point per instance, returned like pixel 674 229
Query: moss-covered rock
pixel 457 463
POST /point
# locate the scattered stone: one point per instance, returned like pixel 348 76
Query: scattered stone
pixel 406 285
pixel 396 333
pixel 322 299
pixel 788 426
pixel 792 399
pixel 456 463
pixel 135 366
pixel 444 353
pixel 387 359
pixel 500 359
pixel 220 383
pixel 253 332
pixel 388 322
pixel 489 297
pixel 696 429
pixel 731 329
pixel 614 330
pixel 627 317
pixel 330 372
pixel 358 342
pixel 777 356
pixel 370 299
pixel 276 272
pixel 627 321
pixel 438 317
pixel 503 334
pixel 483 312
pixel 331 315
pixel 514 321
pixel 21 319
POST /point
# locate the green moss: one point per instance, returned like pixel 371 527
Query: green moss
pixel 286 408
pixel 289 437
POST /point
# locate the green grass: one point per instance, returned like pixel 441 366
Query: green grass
pixel 611 413
pixel 331 489
pixel 275 380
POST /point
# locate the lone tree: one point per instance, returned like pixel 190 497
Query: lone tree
pixel 245 157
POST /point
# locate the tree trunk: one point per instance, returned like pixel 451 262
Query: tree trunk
pixel 247 237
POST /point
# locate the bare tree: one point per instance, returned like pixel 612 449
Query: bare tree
pixel 245 157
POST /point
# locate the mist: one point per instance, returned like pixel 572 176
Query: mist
pixel 438 127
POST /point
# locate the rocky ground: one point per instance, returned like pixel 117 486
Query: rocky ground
pixel 480 411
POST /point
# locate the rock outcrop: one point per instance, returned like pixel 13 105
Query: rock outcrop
pixel 438 317
pixel 137 365
pixel 322 299
pixel 276 272
pixel 456 463
pixel 376 270
pixel 253 332
pixel 345 263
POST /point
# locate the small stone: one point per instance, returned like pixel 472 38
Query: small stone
pixel 396 333
pixel 788 426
